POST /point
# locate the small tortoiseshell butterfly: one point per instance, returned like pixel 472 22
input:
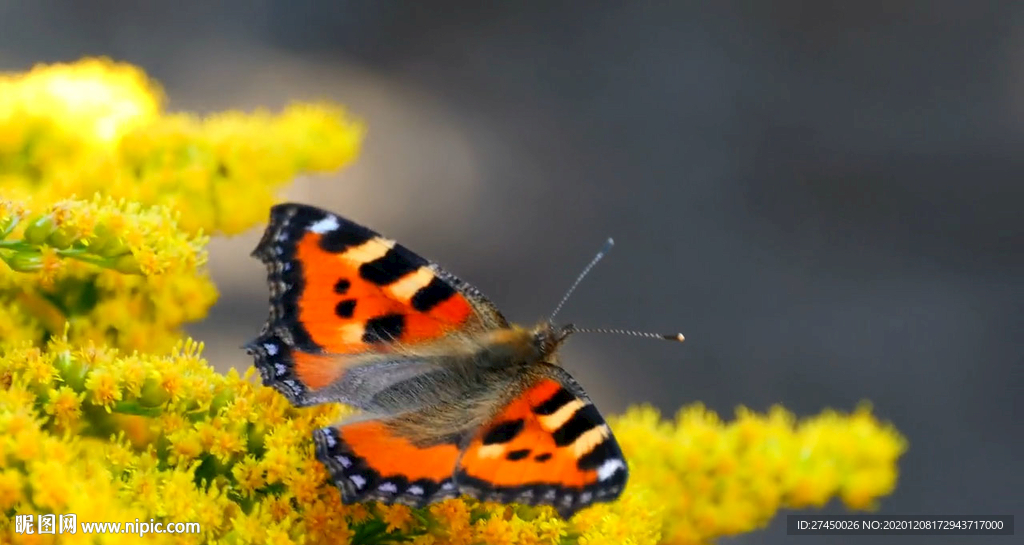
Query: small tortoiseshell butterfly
pixel 454 399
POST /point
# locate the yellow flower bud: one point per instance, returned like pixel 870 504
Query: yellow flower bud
pixel 39 229
pixel 61 238
pixel 152 394
pixel 72 371
pixel 126 264
pixel 220 401
pixel 24 261
pixel 106 243
pixel 7 225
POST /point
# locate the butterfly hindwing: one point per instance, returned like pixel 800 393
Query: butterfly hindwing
pixel 369 460
pixel 337 287
pixel 548 445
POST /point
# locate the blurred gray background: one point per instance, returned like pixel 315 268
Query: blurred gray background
pixel 824 197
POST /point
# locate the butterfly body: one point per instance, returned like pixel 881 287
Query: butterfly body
pixel 454 399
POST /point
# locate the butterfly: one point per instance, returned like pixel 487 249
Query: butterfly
pixel 453 398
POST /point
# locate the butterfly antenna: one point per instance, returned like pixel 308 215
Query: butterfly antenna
pixel 678 337
pixel 604 250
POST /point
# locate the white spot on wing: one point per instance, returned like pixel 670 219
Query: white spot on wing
pixel 329 437
pixel 608 468
pixel 415 490
pixel 325 225
pixel 358 480
pixel 344 461
pixel 388 487
pixel 271 348
pixel 280 369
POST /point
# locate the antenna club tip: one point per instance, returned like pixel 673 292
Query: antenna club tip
pixel 678 337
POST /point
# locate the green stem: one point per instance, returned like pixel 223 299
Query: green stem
pixel 133 407
pixel 16 245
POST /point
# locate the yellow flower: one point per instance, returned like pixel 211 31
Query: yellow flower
pixel 424 539
pixel 452 514
pixel 98 127
pixel 248 475
pixel 65 405
pixel 103 387
pixel 494 531
pixel 11 485
pixel 695 478
pixel 729 478
pixel 397 517
pixel 79 281
pixel 94 98
pixel 279 507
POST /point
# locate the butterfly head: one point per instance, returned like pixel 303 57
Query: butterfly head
pixel 547 337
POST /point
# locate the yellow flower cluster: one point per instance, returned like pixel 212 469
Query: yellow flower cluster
pixel 96 126
pixel 108 413
pixel 166 437
pixel 110 271
pixel 149 184
pixel 729 478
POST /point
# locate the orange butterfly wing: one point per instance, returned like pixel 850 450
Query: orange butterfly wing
pixel 549 445
pixel 337 287
pixel 369 461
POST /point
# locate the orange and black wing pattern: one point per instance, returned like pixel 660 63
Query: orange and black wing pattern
pixel 337 287
pixel 548 446
pixel 368 460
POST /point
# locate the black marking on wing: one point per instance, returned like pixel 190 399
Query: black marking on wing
pixel 565 500
pixel 431 295
pixel 583 420
pixel 345 309
pixel 516 455
pixel 347 235
pixel 285 278
pixel 504 432
pixel 390 267
pixel 273 358
pixel 602 452
pixel 384 328
pixel 555 402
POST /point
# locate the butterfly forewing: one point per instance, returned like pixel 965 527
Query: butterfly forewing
pixel 339 288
